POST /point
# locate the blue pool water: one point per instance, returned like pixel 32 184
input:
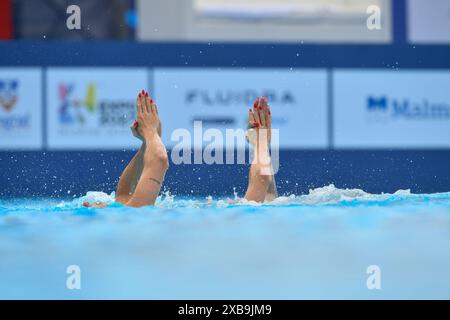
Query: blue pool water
pixel 317 245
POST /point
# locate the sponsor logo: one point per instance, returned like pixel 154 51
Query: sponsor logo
pixel 233 97
pixel 9 95
pixel 374 103
pixel 219 98
pixel 72 109
pixel 90 110
pixel 383 108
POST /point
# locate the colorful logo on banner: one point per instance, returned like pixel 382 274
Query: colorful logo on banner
pixel 90 110
pixel 9 96
pixel 73 109
pixel 384 108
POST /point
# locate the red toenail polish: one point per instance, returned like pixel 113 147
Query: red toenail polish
pixel 250 110
pixel 269 112
pixel 140 95
pixel 143 92
pixel 151 101
pixel 260 108
pixel 146 94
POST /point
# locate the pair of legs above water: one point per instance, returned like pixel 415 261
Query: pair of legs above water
pixel 140 182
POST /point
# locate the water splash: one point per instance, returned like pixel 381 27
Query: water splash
pixel 324 196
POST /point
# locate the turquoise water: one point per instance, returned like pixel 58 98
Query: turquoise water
pixel 317 245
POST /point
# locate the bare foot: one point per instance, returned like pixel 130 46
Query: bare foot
pixel 134 127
